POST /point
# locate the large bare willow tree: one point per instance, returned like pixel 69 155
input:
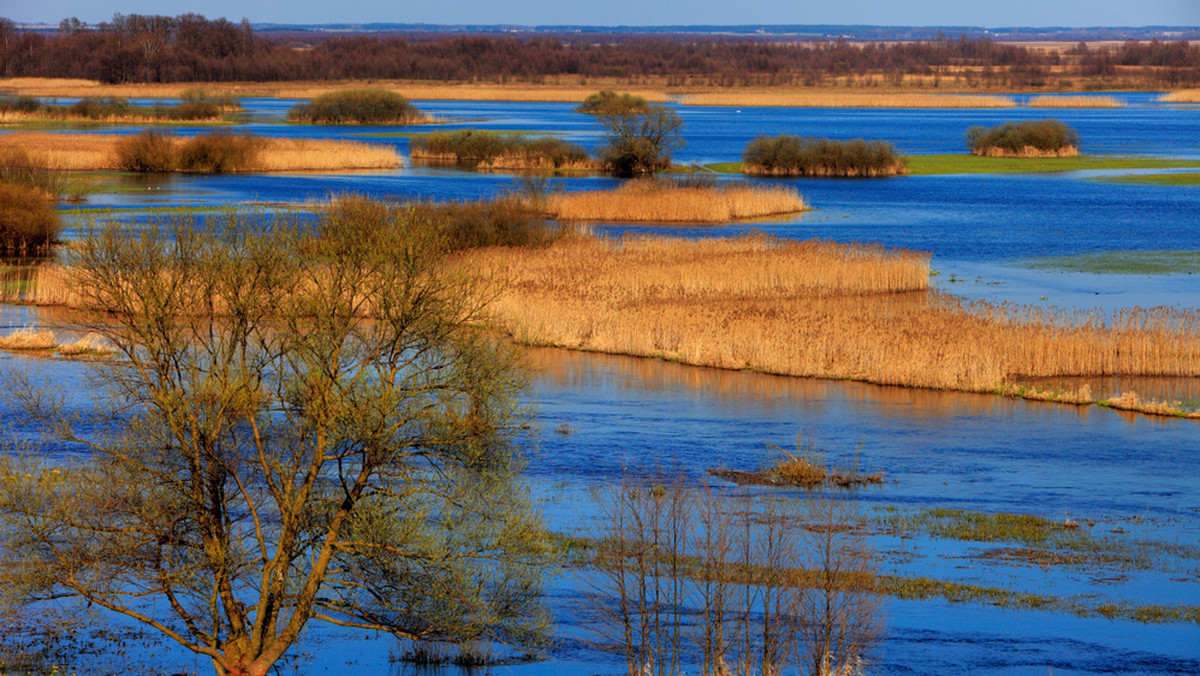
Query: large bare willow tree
pixel 303 423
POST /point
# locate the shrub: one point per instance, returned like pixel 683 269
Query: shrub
pixel 641 143
pixel 219 153
pixel 790 155
pixel 149 151
pixel 608 102
pixel 473 146
pixel 20 104
pixel 357 106
pixel 28 222
pixel 99 109
pixel 193 110
pixel 507 221
pixel 1032 137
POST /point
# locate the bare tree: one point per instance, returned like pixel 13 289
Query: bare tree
pixel 309 427
pixel 839 613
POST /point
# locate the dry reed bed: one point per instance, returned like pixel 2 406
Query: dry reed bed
pixel 655 201
pixel 97 152
pixel 16 117
pixel 1052 101
pixel 1027 152
pixel 830 99
pixel 32 340
pixel 815 309
pixel 1181 96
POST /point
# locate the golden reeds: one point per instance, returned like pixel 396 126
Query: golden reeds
pixel 28 339
pixel 1181 96
pixel 837 99
pixel 96 152
pixel 814 309
pixel 1052 101
pixel 651 200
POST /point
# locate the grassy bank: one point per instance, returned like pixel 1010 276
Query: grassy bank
pixel 666 201
pixel 98 152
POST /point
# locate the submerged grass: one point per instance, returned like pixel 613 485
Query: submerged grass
pixel 974 164
pixel 1052 542
pixel 1183 178
pixel 1122 262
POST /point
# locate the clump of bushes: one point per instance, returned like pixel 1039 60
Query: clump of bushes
pixel 100 109
pixel 149 151
pixel 608 102
pixel 1033 138
pixel 511 151
pixel 216 153
pixel 197 103
pixel 506 221
pixel 19 104
pixel 219 153
pixel 357 106
pixel 790 155
pixel 28 222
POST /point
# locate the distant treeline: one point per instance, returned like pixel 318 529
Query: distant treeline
pixel 189 47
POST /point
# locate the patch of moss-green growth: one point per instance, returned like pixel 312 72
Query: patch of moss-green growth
pixel 929 165
pixel 1188 179
pixel 1122 262
pixel 725 167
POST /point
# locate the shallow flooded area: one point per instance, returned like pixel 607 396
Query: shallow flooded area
pixel 1120 491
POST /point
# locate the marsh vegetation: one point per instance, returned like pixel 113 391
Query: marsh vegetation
pixel 1031 138
pixel 492 151
pixel 357 106
pixel 790 155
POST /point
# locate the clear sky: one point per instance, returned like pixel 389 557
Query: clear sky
pixel 987 13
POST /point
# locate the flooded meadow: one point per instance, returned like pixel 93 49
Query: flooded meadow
pixel 1103 573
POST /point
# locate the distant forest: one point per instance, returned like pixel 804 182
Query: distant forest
pixel 190 48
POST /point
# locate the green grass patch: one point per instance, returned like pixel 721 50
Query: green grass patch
pixel 1122 262
pixel 725 167
pixel 1155 179
pixel 928 165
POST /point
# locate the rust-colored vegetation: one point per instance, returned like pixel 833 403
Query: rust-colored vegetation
pixel 668 201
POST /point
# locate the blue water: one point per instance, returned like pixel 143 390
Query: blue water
pixel 976 452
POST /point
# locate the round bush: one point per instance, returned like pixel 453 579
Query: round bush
pixel 28 222
pixel 357 106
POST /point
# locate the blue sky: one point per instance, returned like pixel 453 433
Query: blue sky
pixel 988 13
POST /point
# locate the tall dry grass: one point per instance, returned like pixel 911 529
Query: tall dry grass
pixel 664 201
pixel 846 99
pixel 814 309
pixel 97 152
pixel 1181 96
pixel 1052 101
